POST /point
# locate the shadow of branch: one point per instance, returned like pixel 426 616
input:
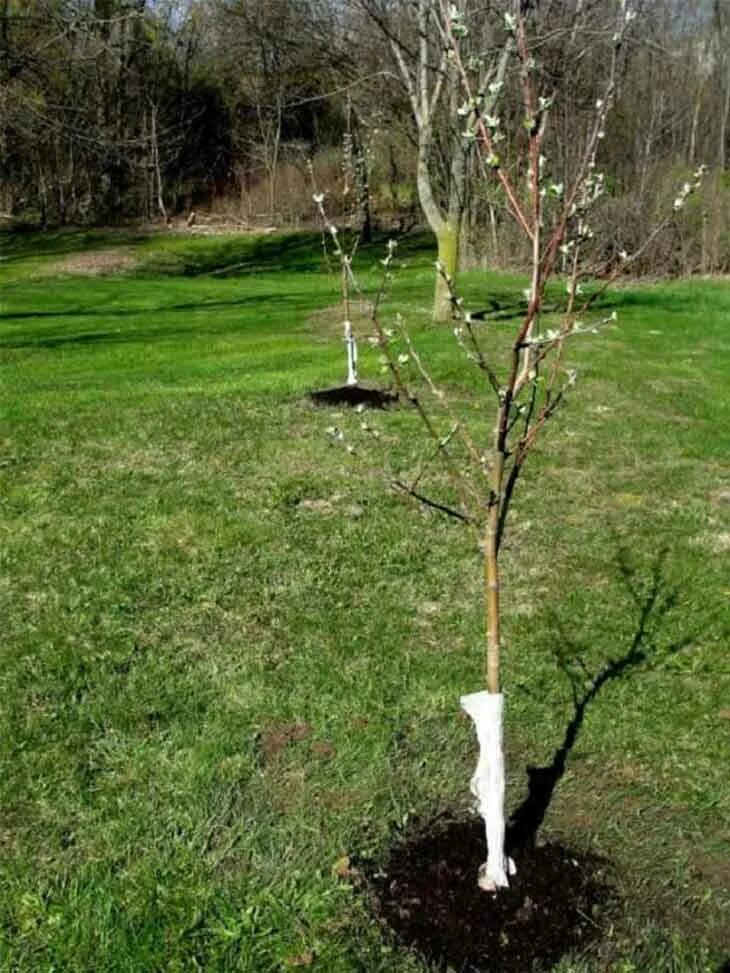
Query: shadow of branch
pixel 653 600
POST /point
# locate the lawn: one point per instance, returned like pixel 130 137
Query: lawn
pixel 231 655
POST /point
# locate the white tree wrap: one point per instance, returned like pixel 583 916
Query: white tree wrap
pixel 487 785
pixel 351 354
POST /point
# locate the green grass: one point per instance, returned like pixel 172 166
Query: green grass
pixel 169 608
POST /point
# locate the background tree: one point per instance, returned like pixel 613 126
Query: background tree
pixel 419 53
pixel 115 110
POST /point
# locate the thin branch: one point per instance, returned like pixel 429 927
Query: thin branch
pixel 478 355
pixel 441 397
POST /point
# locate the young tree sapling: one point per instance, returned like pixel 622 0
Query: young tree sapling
pixel 527 391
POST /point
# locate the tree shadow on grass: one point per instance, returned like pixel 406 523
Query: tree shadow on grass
pixel 653 601
pixel 291 252
pixel 27 242
pixel 186 328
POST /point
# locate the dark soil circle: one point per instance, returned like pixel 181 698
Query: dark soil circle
pixel 354 395
pixel 428 899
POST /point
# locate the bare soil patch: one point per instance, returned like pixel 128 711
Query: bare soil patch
pixel 354 395
pixel 277 737
pixel 428 900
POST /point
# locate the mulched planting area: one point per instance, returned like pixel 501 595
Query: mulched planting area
pixel 354 395
pixel 428 899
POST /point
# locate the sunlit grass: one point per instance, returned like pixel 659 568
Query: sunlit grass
pixel 212 690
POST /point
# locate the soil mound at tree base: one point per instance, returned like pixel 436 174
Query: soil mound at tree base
pixel 427 897
pixel 354 395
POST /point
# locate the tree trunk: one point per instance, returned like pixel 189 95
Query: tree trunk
pixel 160 198
pixel 695 125
pixel 724 118
pixel 43 191
pixel 491 575
pixel 448 253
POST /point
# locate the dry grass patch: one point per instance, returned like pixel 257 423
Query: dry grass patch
pixel 96 264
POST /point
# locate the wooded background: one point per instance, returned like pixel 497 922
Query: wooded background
pixel 120 110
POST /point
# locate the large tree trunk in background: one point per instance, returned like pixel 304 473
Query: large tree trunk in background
pixel 448 254
pixel 449 236
pixel 445 230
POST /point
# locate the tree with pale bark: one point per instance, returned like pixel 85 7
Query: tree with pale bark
pixel 419 50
